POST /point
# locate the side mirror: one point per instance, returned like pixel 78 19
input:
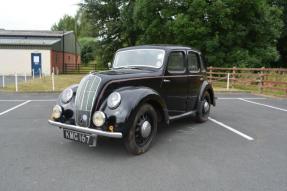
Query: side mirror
pixel 110 65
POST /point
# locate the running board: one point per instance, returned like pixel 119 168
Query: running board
pixel 182 115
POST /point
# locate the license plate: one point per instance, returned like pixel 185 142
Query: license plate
pixel 77 136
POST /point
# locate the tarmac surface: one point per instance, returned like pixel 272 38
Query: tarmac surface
pixel 243 146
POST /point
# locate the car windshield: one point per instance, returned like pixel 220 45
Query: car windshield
pixel 139 58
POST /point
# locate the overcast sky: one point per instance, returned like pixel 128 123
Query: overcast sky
pixel 34 14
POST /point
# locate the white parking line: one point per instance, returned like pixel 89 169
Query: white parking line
pixel 15 107
pixel 234 98
pixel 253 102
pixel 20 100
pixel 231 129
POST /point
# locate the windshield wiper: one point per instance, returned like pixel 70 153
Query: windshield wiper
pixel 130 67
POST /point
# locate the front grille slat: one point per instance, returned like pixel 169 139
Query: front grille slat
pixel 86 94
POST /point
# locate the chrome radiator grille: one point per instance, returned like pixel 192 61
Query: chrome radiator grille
pixel 85 97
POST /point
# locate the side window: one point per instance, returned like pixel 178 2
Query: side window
pixel 176 62
pixel 193 62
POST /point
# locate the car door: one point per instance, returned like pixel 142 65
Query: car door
pixel 195 79
pixel 174 83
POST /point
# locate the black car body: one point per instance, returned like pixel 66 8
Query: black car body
pixel 174 86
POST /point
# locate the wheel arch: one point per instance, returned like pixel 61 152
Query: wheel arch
pixel 206 86
pixel 132 99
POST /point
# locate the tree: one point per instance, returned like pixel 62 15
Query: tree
pixel 230 32
pixel 88 49
pixel 67 23
pixel 282 41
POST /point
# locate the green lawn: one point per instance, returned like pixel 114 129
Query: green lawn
pixel 63 81
pixel 45 84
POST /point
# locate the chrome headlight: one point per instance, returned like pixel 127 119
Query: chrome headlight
pixel 67 95
pixel 57 112
pixel 114 100
pixel 99 118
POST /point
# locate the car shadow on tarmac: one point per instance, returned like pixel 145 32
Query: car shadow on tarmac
pixel 110 147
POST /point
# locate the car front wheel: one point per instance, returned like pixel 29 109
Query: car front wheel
pixel 203 109
pixel 142 131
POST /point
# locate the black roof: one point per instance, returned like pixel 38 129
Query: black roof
pixel 160 46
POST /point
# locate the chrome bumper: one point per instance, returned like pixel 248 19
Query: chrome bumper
pixel 86 130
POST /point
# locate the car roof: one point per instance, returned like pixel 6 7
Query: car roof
pixel 160 46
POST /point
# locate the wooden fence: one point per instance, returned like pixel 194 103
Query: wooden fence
pixel 263 80
pixel 80 68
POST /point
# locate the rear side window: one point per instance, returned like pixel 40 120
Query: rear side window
pixel 176 62
pixel 193 62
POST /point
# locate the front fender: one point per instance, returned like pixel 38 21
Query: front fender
pixel 132 98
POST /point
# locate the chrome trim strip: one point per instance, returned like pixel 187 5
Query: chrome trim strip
pixel 182 115
pixel 86 130
pixel 90 94
pixel 95 94
pixel 87 82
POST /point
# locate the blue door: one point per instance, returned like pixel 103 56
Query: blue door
pixel 36 63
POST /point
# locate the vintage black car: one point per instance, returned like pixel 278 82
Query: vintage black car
pixel 147 86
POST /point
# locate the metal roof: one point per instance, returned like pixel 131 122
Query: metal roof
pixel 33 33
pixel 161 46
pixel 33 42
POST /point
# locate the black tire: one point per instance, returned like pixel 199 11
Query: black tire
pixel 136 142
pixel 202 113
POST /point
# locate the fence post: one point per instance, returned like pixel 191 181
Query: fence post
pixel 233 76
pixel 3 81
pixel 16 82
pixel 40 73
pixel 33 74
pixel 210 74
pixel 53 82
pixel 25 77
pixel 228 78
pixel 261 80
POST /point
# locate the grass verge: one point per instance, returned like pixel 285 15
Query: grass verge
pixel 45 84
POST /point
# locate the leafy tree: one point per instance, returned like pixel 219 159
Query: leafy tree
pixel 88 48
pixel 282 41
pixel 230 32
pixel 67 23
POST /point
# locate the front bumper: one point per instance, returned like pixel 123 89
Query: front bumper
pixel 86 130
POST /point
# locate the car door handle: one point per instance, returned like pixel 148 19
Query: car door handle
pixel 165 80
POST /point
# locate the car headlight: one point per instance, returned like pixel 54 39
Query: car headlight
pixel 99 118
pixel 67 95
pixel 114 100
pixel 57 112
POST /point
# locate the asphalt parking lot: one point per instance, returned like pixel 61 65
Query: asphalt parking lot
pixel 242 147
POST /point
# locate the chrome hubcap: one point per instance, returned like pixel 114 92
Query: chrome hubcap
pixel 206 106
pixel 145 129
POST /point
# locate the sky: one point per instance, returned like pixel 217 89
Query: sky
pixel 34 14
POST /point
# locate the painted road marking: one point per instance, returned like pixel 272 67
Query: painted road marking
pixel 15 107
pixel 265 105
pixel 19 100
pixel 48 100
pixel 231 129
pixel 235 98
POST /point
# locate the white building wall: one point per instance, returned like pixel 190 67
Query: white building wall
pixel 19 60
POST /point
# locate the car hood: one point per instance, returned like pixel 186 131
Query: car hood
pixel 91 86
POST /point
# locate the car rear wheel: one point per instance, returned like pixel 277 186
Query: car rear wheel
pixel 203 109
pixel 142 131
